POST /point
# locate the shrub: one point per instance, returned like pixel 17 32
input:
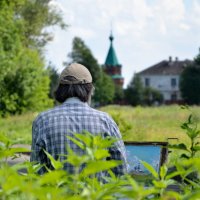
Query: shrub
pixel 58 184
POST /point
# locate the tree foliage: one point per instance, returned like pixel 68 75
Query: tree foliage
pixel 54 78
pixel 104 91
pixel 137 94
pixel 134 91
pixel 190 82
pixel 104 86
pixel 83 55
pixel 26 87
pixel 24 82
pixel 152 96
pixel 38 15
pixel 119 95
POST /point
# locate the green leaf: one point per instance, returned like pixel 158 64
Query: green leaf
pixel 174 174
pixel 4 140
pixel 53 177
pixel 184 156
pixel 196 148
pixel 56 164
pixel 12 152
pixel 104 142
pixel 75 159
pixel 192 195
pixel 78 143
pixel 184 126
pixel 101 153
pixel 163 171
pixel 98 166
pixel 190 119
pixel 150 169
pixel 85 138
pixel 180 146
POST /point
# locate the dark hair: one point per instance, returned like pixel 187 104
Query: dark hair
pixel 81 91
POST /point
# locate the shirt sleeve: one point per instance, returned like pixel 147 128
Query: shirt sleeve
pixel 117 151
pixel 38 145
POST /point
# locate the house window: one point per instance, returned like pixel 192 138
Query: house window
pixel 174 97
pixel 147 82
pixel 173 82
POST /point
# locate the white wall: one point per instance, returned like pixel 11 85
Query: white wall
pixel 163 84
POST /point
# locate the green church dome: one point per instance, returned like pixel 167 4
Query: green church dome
pixel 111 59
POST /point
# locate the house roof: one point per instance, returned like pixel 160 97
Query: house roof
pixel 166 67
pixel 111 59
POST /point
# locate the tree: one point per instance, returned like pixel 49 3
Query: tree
pixel 104 86
pixel 38 15
pixel 134 91
pixel 119 95
pixel 24 82
pixel 54 79
pixel 152 96
pixel 26 87
pixel 83 55
pixel 190 82
pixel 105 89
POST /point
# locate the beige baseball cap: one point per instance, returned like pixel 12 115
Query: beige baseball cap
pixel 75 73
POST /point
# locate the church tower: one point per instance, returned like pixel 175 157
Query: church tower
pixel 112 66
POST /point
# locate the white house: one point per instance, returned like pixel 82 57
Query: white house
pixel 164 76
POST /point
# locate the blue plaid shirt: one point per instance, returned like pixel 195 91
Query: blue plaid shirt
pixel 50 128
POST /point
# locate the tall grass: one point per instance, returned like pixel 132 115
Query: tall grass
pixel 136 123
pixel 18 127
pixel 153 123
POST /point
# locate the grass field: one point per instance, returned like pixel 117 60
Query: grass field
pixel 153 123
pixel 136 123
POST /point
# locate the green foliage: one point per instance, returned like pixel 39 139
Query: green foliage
pixel 190 82
pixel 134 91
pixel 83 55
pixel 26 87
pixel 119 94
pixel 123 125
pixel 152 96
pixel 193 133
pixel 104 86
pixel 54 77
pixel 58 184
pixel 146 123
pixel 24 82
pixel 137 94
pixel 104 89
pixel 37 16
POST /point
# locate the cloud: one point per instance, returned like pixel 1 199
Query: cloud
pixel 145 31
pixel 184 26
pixel 82 32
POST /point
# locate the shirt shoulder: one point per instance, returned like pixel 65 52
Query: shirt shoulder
pixel 73 111
pixel 102 114
pixel 46 115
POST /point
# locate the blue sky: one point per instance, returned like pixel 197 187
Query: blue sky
pixel 145 31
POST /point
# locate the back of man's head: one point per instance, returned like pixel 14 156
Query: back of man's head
pixel 74 81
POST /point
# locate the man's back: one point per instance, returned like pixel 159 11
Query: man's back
pixel 51 128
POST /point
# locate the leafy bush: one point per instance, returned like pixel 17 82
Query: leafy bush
pixel 24 82
pixel 58 184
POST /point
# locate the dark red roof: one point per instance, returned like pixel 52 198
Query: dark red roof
pixel 166 67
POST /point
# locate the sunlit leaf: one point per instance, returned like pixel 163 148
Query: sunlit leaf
pixel 101 153
pixel 78 143
pixel 99 165
pixel 150 169
pixel 163 171
pixel 56 164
